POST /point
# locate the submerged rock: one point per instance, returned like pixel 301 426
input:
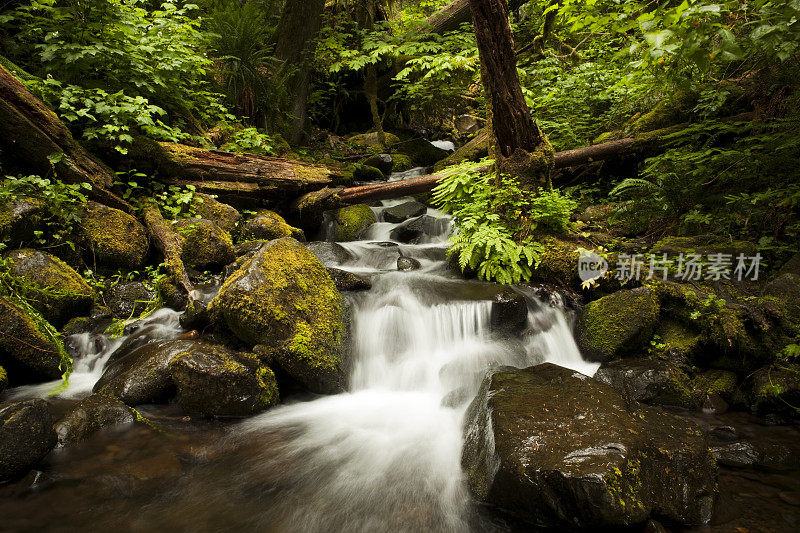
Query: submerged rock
pixel 347 281
pixel 26 436
pixel 283 297
pixel 269 225
pixel 404 211
pixel 558 448
pixel 750 454
pixel 142 376
pixel 113 237
pixel 351 222
pixel 26 350
pixel 618 324
pixel 51 286
pixel 204 243
pixel 214 381
pixel 649 381
pixel 90 416
pixel 223 215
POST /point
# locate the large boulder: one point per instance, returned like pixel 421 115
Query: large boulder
pixel 19 219
pixel 90 416
pixel 370 141
pixel 223 215
pixel 309 210
pixel 367 173
pixel 618 324
pixel 330 253
pixel 128 299
pixel 51 286
pixel 269 225
pixel 204 243
pixel 26 349
pixel 422 152
pixel 649 381
pixel 143 375
pixel 383 162
pixel 26 436
pixel 347 281
pixel 404 211
pixel 284 298
pixel 113 237
pixel 214 381
pixel 558 448
pixel 350 223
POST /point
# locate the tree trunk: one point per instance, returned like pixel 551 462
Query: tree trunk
pixel 236 177
pixel 32 134
pixel 523 150
pixel 453 15
pixel 300 22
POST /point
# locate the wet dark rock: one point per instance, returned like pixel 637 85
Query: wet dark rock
pixel 113 238
pixel 774 388
pixel 749 454
pixel 383 162
pixel 330 253
pixel 421 152
pixel 618 324
pixel 52 287
pixel 367 173
pixel 26 436
pixel 90 416
pixel 214 381
pixel 204 243
pixel 509 311
pixel 283 297
pixel 714 404
pixel 385 244
pixel 558 448
pixel 649 381
pixel 309 210
pixel 349 223
pixel 267 226
pixel 19 219
pixel 407 264
pixel 724 433
pixel 347 281
pixel 142 376
pixel 127 300
pixel 138 334
pixel 404 211
pixel 27 352
pixel 196 316
pixel 414 230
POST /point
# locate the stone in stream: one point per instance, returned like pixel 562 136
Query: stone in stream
pixel 347 281
pixel 422 152
pixel 52 287
pixel 27 351
pixel 330 252
pixel 383 162
pixel 90 416
pixel 649 381
pixel 618 324
pixel 404 211
pixel 26 436
pixel 407 264
pixel 126 300
pixel 204 243
pixel 412 231
pixel 350 223
pixel 509 311
pixel 558 448
pixel 269 225
pixel 754 454
pixel 113 237
pixel 284 298
pixel 367 173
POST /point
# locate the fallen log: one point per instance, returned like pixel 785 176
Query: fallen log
pixel 170 244
pixel 230 175
pixel 33 135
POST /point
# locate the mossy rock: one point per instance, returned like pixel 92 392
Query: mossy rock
pixel 721 382
pixel 401 162
pixel 214 381
pixel 383 162
pixel 19 219
pixel 370 141
pixel 50 285
pixel 3 379
pixel 204 243
pixel 90 416
pixel 422 152
pixel 703 245
pixel 113 237
pixel 128 300
pixel 283 297
pixel 650 381
pixel 223 215
pixel 25 349
pixel 560 449
pixel 786 290
pixel 558 263
pixel 618 324
pixel 677 341
pixel 350 223
pixel 269 225
pixel 367 173
pixel 26 437
pixel 775 389
pixel 308 211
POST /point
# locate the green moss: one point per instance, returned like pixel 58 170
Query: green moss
pixel 351 221
pixel 558 263
pixel 223 215
pixel 675 340
pixel 721 382
pixel 401 163
pixel 268 225
pixel 625 485
pixel 268 385
pixel 113 237
pixel 3 379
pixel 370 140
pixel 204 243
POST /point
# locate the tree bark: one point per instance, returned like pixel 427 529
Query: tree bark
pixel 300 22
pixel 234 176
pixel 453 15
pixel 32 134
pixel 523 150
pixel 170 244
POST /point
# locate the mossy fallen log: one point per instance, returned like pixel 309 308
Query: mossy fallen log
pixel 170 244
